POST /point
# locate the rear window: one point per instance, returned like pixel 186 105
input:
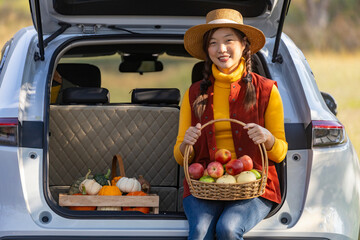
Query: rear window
pixel 176 71
pixel 248 8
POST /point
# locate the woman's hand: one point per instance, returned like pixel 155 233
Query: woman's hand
pixel 192 134
pixel 190 138
pixel 260 135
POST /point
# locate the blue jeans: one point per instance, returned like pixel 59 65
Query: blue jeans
pixel 227 219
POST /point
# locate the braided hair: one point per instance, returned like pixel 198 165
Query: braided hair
pixel 200 103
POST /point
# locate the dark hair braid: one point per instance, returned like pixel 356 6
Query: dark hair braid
pixel 200 102
pixel 250 95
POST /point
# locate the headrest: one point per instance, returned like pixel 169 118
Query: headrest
pixel 156 95
pixel 197 72
pixel 85 95
pixel 80 74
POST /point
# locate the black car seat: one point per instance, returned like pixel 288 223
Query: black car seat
pixel 197 72
pixel 85 95
pixel 80 74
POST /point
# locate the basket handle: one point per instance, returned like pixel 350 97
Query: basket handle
pixel 262 149
pixel 117 159
pixel 265 169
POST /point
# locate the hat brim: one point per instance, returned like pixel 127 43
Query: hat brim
pixel 193 38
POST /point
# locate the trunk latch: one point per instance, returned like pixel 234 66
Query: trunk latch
pixel 89 29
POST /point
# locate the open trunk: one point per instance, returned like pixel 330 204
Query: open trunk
pixel 87 128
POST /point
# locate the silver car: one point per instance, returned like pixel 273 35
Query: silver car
pixel 124 70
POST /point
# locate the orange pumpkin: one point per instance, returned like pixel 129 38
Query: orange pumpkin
pixel 140 209
pixel 109 191
pixel 115 180
pixel 82 208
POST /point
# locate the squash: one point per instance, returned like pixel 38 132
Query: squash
pixel 102 179
pixel 140 209
pixel 91 186
pixel 128 185
pixel 109 191
pixel 115 180
pixel 82 208
pixel 74 188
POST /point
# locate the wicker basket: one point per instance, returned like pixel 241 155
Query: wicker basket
pixel 222 191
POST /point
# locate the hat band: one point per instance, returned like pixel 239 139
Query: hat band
pixel 218 21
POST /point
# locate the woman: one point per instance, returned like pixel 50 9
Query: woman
pixel 229 90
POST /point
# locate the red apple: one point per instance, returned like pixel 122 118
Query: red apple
pixel 223 156
pixel 215 169
pixel 234 167
pixel 247 162
pixel 196 171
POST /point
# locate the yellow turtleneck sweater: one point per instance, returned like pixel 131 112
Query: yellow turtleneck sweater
pixel 274 117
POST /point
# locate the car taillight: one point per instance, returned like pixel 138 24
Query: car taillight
pixel 8 131
pixel 327 133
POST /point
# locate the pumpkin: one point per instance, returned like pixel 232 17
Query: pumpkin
pixel 115 180
pixel 82 208
pixel 140 209
pixel 91 186
pixel 74 188
pixel 102 179
pixel 109 191
pixel 128 185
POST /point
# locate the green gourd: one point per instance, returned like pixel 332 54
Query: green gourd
pixel 74 188
pixel 102 179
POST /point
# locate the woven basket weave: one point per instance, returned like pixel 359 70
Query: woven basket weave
pixel 222 191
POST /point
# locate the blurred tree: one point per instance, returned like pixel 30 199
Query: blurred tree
pixel 324 24
pixel 318 13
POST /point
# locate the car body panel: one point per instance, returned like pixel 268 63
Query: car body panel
pixel 267 22
pixel 315 102
pixel 295 111
pixel 333 193
pixel 11 80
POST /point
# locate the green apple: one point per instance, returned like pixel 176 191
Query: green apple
pixel 257 174
pixel 206 179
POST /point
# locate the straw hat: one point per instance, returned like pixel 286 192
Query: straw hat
pixel 193 39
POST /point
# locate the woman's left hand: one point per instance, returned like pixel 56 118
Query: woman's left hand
pixel 260 135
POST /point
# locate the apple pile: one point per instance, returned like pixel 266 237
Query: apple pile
pixel 225 170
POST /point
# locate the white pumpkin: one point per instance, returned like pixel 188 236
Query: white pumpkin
pixel 108 208
pixel 128 185
pixel 91 186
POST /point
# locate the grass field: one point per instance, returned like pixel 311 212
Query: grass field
pixel 339 75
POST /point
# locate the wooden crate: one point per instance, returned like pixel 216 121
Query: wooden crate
pixel 151 201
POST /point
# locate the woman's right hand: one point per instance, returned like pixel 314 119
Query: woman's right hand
pixel 192 134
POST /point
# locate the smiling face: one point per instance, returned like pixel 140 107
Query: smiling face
pixel 225 49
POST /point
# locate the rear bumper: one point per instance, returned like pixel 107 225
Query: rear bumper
pixel 137 238
pixel 84 238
